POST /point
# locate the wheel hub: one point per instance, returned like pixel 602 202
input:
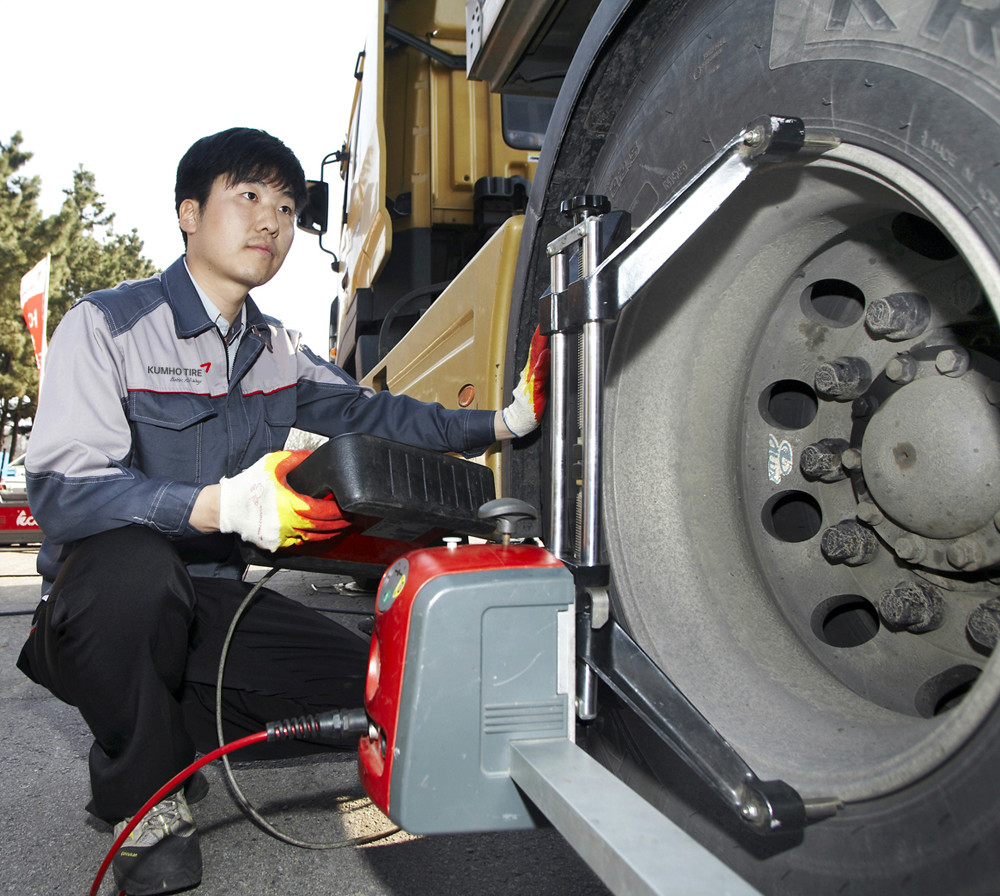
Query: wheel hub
pixel 931 456
pixel 825 479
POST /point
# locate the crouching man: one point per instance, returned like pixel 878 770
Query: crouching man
pixel 155 449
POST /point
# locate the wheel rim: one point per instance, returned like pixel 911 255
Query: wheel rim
pixel 804 547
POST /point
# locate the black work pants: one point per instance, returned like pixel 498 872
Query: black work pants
pixel 131 640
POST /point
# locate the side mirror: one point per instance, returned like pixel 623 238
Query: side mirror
pixel 313 218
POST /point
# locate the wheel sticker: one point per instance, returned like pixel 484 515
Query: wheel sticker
pixel 779 459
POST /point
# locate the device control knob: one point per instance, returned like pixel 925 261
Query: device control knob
pixel 584 206
pixel 507 512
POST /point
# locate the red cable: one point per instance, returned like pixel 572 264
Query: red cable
pixel 171 785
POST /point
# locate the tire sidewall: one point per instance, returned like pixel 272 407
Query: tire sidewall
pixel 908 80
pixel 923 100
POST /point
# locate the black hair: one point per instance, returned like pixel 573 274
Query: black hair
pixel 241 155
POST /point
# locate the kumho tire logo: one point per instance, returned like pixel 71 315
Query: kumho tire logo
pixel 154 370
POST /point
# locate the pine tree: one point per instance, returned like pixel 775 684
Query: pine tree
pixel 86 255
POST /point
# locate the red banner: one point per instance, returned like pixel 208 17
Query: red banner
pixel 16 518
pixel 35 303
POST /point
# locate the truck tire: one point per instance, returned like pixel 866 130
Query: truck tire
pixel 802 446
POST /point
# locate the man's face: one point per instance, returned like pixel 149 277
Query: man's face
pixel 240 236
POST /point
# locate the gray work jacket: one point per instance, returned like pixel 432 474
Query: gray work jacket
pixel 138 412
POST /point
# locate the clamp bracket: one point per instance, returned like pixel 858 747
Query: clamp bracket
pixel 582 308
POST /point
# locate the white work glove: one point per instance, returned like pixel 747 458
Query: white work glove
pixel 260 506
pixel 525 413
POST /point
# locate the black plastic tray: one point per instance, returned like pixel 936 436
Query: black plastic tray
pixel 417 488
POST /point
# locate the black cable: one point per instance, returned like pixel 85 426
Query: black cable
pixel 282 728
pixel 337 612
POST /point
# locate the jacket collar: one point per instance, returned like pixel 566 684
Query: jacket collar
pixel 190 317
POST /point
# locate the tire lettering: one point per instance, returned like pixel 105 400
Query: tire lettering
pixel 980 27
pixel 954 30
pixel 623 169
pixel 876 17
pixel 673 178
pixel 938 148
pixel 952 41
pixel 710 62
pixel 989 199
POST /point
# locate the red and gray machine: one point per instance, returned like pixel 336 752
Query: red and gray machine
pixel 472 648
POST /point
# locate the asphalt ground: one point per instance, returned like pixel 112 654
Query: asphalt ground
pixel 49 844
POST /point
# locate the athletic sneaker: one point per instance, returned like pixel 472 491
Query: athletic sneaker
pixel 162 854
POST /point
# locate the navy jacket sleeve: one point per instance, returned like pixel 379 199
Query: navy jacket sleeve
pixel 330 402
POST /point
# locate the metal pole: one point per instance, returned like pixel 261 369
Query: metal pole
pixel 592 385
pixel 558 398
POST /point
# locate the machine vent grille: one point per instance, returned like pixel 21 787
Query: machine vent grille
pixel 504 718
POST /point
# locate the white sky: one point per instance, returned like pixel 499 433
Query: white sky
pixel 124 88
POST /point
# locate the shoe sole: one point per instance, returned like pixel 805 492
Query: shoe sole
pixel 162 871
pixel 196 788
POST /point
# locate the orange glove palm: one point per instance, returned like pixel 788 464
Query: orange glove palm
pixel 260 506
pixel 525 413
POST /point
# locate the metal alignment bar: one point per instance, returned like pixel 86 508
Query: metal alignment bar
pixel 618 278
pixel 593 408
pixel 768 807
pixel 558 404
pixel 632 848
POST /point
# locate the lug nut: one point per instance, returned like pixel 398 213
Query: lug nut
pixel 902 315
pixel 914 606
pixel 910 548
pixel 952 361
pixel 864 406
pixel 850 459
pixel 965 553
pixel 869 513
pixel 849 542
pixel 821 460
pixel 844 379
pixel 901 369
pixel 983 625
